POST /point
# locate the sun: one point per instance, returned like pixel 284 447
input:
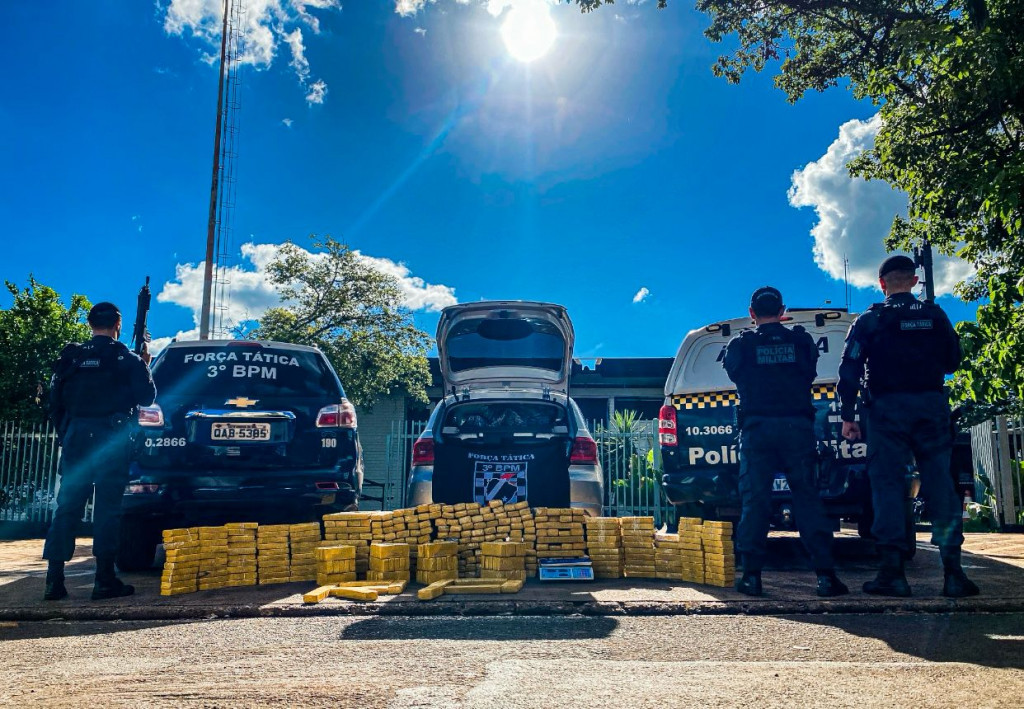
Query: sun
pixel 529 31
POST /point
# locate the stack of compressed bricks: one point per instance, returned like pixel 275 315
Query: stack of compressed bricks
pixel 467 523
pixel 335 564
pixel 604 546
pixel 389 561
pixel 638 544
pixel 272 555
pixel 437 561
pixel 181 568
pixel 503 560
pixel 691 544
pixel 352 528
pixel 719 559
pixel 241 553
pixel 415 526
pixel 559 533
pixel 668 557
pixel 213 558
pixel 303 539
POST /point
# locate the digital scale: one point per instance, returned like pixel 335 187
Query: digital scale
pixel 569 569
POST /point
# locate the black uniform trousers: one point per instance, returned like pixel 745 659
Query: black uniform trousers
pixel 904 428
pixel 785 444
pixel 95 452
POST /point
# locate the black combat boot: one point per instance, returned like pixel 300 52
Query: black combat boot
pixel 55 589
pixel 891 580
pixel 107 584
pixel 749 582
pixel 829 585
pixel 956 584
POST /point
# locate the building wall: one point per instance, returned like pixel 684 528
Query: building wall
pixel 375 425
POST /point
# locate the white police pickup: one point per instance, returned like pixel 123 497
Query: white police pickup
pixel 698 435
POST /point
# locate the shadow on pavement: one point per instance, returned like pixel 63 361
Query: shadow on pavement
pixel 500 628
pixel 987 639
pixel 38 630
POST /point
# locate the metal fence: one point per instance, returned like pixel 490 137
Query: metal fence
pixel 630 458
pixel 998 452
pixel 29 456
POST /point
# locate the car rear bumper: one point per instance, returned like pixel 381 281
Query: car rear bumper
pixel 586 487
pixel 193 498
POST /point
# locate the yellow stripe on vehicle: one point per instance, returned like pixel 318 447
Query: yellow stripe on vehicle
pixel 715 399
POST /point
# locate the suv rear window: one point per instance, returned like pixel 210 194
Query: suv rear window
pixel 519 342
pixel 253 371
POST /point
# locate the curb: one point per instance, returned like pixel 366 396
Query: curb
pixel 510 608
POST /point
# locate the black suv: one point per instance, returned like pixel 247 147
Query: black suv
pixel 243 431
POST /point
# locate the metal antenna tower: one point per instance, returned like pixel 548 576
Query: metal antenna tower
pixel 222 179
pixel 224 246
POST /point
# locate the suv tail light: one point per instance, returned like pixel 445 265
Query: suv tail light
pixel 337 416
pixel 584 450
pixel 151 416
pixel 667 435
pixel 423 451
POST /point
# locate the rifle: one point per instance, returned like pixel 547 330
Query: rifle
pixel 140 333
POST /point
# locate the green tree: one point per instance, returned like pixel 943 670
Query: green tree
pixel 334 300
pixel 948 78
pixel 33 331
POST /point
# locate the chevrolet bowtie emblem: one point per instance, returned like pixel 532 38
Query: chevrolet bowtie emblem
pixel 241 402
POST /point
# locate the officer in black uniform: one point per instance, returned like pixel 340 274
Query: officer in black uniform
pixel 97 388
pixel 773 368
pixel 907 346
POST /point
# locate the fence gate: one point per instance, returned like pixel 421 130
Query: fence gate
pixel 29 456
pixel 998 449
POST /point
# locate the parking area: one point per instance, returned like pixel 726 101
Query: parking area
pixel 995 561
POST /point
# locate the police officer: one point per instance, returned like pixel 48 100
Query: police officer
pixel 907 346
pixel 773 368
pixel 97 387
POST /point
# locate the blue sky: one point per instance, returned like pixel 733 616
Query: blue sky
pixel 612 167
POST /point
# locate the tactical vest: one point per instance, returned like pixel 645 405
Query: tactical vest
pixel 779 366
pixel 906 346
pixel 95 380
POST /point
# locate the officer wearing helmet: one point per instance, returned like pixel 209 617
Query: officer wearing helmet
pixel 96 390
pixel 906 347
pixel 773 368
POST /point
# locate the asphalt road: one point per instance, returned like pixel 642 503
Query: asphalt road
pixel 878 660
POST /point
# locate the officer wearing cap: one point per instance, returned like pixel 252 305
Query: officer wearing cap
pixel 906 347
pixel 96 390
pixel 773 368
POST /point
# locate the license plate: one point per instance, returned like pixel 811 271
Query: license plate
pixel 780 484
pixel 240 432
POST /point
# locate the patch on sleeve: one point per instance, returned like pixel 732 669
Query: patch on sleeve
pixel 89 363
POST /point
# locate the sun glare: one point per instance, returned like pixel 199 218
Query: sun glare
pixel 528 31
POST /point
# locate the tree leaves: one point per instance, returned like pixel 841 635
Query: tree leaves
pixel 33 331
pixel 334 300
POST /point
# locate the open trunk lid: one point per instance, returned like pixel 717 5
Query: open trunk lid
pixel 515 344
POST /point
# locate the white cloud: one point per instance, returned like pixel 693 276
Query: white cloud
pixel 406 8
pixel 287 122
pixel 420 31
pixel 251 294
pixel 854 215
pixel 317 91
pixel 265 24
pixel 641 295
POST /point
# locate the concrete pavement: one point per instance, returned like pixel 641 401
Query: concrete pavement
pixel 995 561
pixel 835 661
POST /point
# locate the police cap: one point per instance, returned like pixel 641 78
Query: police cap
pixel 766 301
pixel 104 315
pixel 898 262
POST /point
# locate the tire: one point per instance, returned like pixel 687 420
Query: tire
pixel 690 509
pixel 137 548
